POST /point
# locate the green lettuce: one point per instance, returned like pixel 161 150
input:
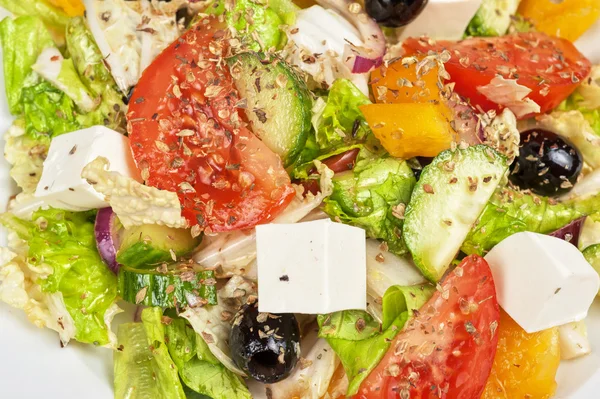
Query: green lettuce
pixel 338 120
pixel 23 39
pixel 143 367
pixel 360 347
pixel 48 112
pixel 64 242
pixel 369 196
pixel 94 74
pixel 575 102
pixel 198 368
pixel 509 212
pixel 49 14
pixel 257 23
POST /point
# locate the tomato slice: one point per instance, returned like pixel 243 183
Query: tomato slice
pixel 551 67
pixel 187 136
pixel 447 349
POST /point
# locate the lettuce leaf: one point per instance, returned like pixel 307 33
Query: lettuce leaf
pixel 94 74
pixel 359 349
pixel 338 119
pixel 257 23
pixel 48 112
pixel 64 242
pixel 586 99
pixel 198 368
pixel 50 15
pixel 369 197
pixel 23 39
pixel 509 212
pixel 142 365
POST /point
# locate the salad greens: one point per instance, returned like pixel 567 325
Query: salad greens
pixel 199 369
pixel 370 197
pixel 142 366
pixel 52 16
pixel 64 243
pixel 356 338
pixel 338 119
pixel 23 39
pixel 509 212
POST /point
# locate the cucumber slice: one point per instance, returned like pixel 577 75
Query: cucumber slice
pixel 151 244
pixel 177 287
pixel 278 102
pixel 446 202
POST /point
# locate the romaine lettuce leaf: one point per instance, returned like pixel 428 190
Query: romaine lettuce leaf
pixel 369 197
pixel 359 352
pixel 23 39
pixel 256 23
pixel 64 242
pixel 26 156
pixel 338 119
pixel 90 66
pixel 586 99
pixel 509 212
pixel 48 112
pixel 198 367
pixel 142 365
pixel 50 15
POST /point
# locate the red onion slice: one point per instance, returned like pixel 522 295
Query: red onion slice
pixel 570 232
pixel 107 240
pixel 364 58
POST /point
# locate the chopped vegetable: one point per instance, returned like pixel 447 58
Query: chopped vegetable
pixel 373 197
pixel 52 16
pixel 449 344
pixel 408 130
pixel 493 18
pixel 357 340
pixel 525 364
pixel 63 243
pixel 568 19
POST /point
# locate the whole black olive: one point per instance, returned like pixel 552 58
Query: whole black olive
pixel 394 13
pixel 265 345
pixel 547 164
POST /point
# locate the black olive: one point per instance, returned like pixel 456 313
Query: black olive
pixel 547 164
pixel 266 346
pixel 394 13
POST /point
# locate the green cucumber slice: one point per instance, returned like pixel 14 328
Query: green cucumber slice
pixel 279 105
pixel 446 202
pixel 149 245
pixel 177 287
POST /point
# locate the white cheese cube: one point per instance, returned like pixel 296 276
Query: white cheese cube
pixel 314 267
pixel 442 19
pixel 542 281
pixel 61 185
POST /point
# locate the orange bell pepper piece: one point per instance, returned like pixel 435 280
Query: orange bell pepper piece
pixel 408 130
pixel 400 83
pixel 72 8
pixel 568 19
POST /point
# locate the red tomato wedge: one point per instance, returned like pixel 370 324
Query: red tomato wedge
pixel 549 66
pixel 448 348
pixel 188 137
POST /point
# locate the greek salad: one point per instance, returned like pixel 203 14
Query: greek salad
pixel 306 199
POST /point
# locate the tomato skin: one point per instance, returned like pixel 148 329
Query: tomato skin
pixel 551 67
pixel 454 364
pixel 187 136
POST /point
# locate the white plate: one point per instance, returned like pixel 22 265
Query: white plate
pixel 33 365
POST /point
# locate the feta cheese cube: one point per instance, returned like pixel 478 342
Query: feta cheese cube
pixel 61 185
pixel 542 281
pixel 314 267
pixel 442 19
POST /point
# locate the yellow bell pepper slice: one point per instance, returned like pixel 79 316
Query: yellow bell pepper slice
pixel 408 130
pixel 73 8
pixel 525 364
pixel 568 19
pixel 399 83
